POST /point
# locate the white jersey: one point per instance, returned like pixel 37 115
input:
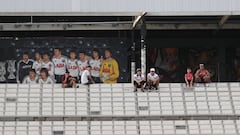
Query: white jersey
pixel 27 80
pixel 47 81
pixel 139 77
pixel 152 77
pixel 82 66
pixel 60 65
pixel 49 66
pixel 37 66
pixel 84 77
pixel 95 64
pixel 72 67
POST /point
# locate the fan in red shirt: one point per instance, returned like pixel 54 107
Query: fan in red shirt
pixel 202 75
pixel 189 78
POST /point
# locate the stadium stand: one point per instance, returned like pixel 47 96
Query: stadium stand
pixel 115 109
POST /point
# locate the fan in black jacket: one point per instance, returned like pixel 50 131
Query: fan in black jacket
pixel 23 67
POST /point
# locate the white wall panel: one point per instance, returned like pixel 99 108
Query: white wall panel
pixel 157 7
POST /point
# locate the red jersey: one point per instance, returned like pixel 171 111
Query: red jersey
pixel 189 76
pixel 202 73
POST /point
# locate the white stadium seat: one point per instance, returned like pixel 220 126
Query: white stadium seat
pixel 119 100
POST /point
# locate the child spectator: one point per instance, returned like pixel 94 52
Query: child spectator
pixel 189 78
pixel 152 79
pixel 138 80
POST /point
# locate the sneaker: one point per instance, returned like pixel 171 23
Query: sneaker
pixel 135 90
pixel 142 90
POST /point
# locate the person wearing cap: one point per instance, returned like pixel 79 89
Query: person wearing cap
pixel 68 81
pixel 138 80
pixel 202 75
pixel 152 79
pixel 86 77
pixel 31 78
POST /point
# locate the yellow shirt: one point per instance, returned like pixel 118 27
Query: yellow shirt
pixel 109 69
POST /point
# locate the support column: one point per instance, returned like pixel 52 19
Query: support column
pixel 221 64
pixel 133 58
pixel 143 45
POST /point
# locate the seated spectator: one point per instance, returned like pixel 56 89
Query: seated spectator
pixel 189 78
pixel 152 80
pixel 138 80
pixel 202 75
pixel 31 78
pixel 86 78
pixel 45 79
pixel 68 81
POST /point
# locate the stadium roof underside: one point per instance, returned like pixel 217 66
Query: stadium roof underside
pixel 56 23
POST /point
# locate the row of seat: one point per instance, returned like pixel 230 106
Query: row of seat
pixel 117 85
pixel 171 127
pixel 96 100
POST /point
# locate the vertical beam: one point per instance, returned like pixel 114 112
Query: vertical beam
pixel 221 64
pixel 133 57
pixel 143 45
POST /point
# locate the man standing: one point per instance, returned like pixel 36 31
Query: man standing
pixel 23 67
pixel 109 71
pixel 37 64
pixel 72 65
pixel 60 65
pixel 82 63
pixel 95 63
pixel 46 63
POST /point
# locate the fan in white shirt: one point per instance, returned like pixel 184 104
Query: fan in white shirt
pixel 72 65
pixel 95 63
pixel 138 80
pixel 45 79
pixel 152 79
pixel 86 76
pixel 82 62
pixel 46 63
pixel 31 78
pixel 37 64
pixel 60 65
